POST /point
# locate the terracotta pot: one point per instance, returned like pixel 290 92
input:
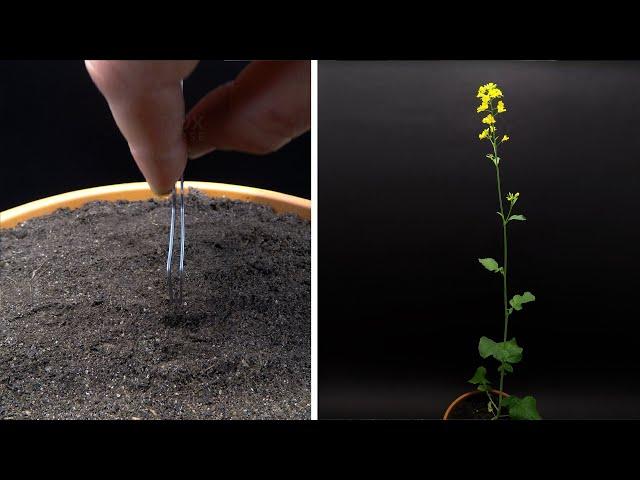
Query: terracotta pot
pixel 465 396
pixel 280 202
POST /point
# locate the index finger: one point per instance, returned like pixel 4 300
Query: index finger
pixel 145 98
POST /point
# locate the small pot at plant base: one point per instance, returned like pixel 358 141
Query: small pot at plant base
pixel 472 406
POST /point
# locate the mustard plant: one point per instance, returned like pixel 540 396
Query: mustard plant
pixel 506 352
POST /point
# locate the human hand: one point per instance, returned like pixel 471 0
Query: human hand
pixel 266 106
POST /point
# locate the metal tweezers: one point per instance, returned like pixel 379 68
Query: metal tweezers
pixel 176 298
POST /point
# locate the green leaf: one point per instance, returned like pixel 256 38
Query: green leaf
pixel 521 218
pixel 508 351
pixel 480 377
pixel 522 408
pixel 507 367
pixel 486 347
pixel 517 300
pixel 490 264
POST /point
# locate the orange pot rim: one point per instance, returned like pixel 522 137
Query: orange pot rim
pixel 465 396
pixel 280 202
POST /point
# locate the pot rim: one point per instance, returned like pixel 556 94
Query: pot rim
pixel 280 202
pixel 462 397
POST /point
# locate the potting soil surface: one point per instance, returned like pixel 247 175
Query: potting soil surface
pixel 87 330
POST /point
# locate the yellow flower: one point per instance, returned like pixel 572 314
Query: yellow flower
pixel 489 119
pixel 513 198
pixel 483 89
pixel 492 129
pixel 501 107
pixel 482 107
pixel 505 138
pixel 484 134
pixel 494 93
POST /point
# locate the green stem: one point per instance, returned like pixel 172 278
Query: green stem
pixel 494 142
pixel 509 214
pixel 492 402
pixel 504 275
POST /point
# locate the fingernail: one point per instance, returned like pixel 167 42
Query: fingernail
pixel 193 154
pixel 159 193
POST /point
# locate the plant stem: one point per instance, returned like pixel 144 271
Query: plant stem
pixel 491 400
pixel 504 273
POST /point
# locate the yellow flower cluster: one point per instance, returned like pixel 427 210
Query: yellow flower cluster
pixel 487 93
pixel 489 119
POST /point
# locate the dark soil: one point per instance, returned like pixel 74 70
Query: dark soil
pixel 87 331
pixel 474 407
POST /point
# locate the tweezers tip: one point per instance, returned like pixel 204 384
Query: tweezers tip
pixel 173 298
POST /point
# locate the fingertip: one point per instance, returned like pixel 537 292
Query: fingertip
pixel 161 170
pixel 164 186
pixel 161 192
pixel 160 188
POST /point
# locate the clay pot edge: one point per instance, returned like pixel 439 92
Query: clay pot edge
pixel 462 397
pixel 280 202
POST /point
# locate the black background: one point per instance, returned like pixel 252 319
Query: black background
pixel 57 134
pixel 407 203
